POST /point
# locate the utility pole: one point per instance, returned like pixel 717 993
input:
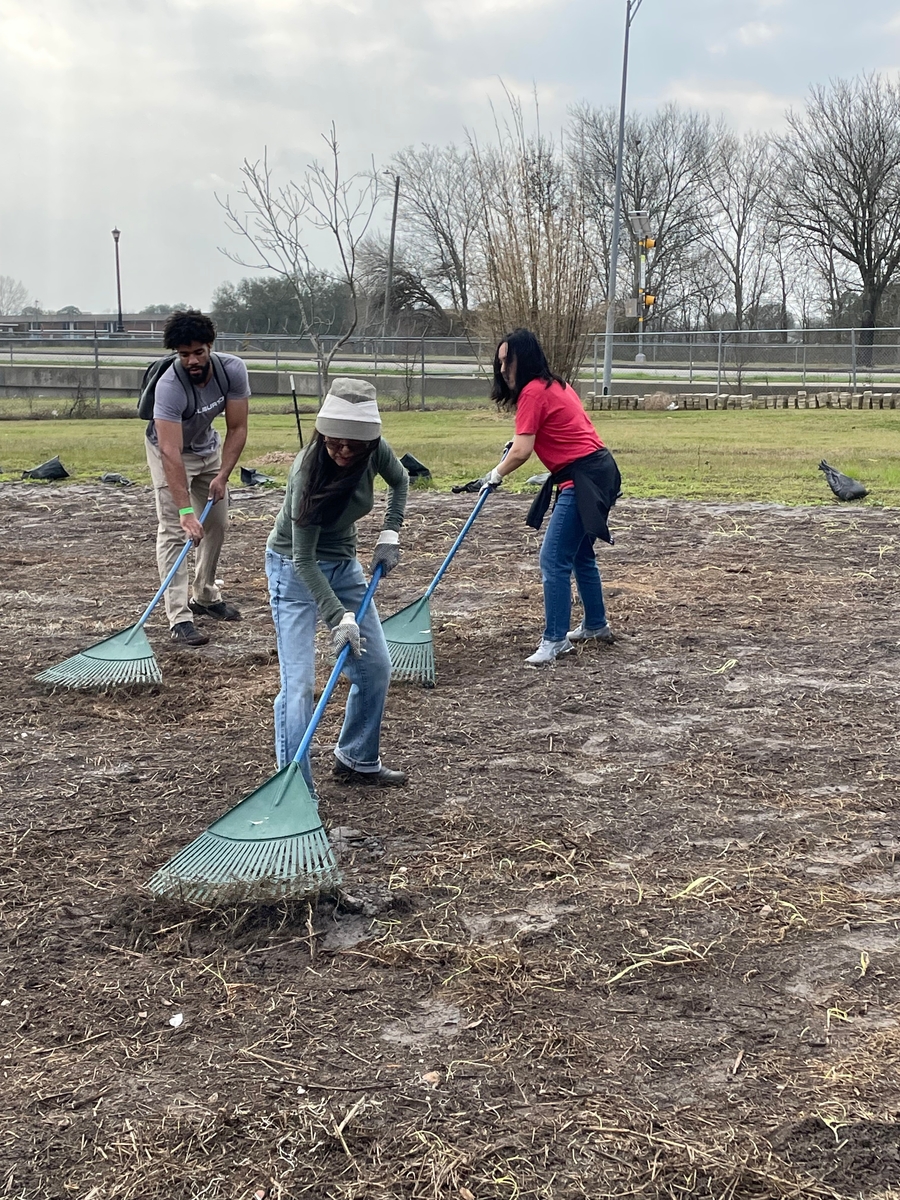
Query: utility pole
pixel 390 263
pixel 631 9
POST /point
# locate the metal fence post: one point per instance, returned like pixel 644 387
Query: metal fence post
pixel 719 366
pixel 594 398
pixel 853 360
pixel 690 358
pixel 97 372
pixel 423 373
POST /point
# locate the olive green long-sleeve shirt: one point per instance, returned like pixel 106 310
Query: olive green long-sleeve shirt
pixel 337 541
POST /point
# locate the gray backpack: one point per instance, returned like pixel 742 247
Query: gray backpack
pixel 157 369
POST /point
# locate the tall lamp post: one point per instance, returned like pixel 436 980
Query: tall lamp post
pixel 390 263
pixel 120 327
pixel 640 227
pixel 631 9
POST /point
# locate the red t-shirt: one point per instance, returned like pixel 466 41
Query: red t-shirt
pixel 562 430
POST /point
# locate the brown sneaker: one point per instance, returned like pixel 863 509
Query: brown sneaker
pixel 186 633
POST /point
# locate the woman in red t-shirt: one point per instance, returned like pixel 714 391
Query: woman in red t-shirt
pixel 551 422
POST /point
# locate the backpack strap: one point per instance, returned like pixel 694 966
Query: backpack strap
pixel 220 371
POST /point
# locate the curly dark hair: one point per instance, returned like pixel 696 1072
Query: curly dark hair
pixel 531 363
pixel 182 328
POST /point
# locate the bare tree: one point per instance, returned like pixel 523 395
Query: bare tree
pixel 276 221
pixel 533 242
pixel 737 227
pixel 664 164
pixel 842 185
pixel 410 296
pixel 440 212
pixel 13 296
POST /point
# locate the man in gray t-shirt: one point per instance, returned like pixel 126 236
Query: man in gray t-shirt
pixel 189 464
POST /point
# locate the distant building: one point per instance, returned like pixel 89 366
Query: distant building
pixel 63 325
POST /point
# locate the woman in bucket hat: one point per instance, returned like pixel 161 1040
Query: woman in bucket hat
pixel 313 572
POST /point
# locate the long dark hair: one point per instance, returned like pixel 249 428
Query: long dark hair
pixel 531 363
pixel 328 486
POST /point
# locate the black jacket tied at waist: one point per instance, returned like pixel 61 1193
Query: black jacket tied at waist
pixel 597 482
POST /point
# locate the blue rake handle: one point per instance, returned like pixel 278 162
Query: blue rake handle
pixel 456 545
pixel 168 579
pixel 307 738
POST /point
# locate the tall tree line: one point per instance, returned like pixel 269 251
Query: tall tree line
pixel 754 231
pixel 758 231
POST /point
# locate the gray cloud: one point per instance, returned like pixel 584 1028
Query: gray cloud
pixel 137 113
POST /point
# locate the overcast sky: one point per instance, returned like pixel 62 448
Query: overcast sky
pixel 137 113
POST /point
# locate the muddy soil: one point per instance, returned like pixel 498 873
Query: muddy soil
pixel 631 930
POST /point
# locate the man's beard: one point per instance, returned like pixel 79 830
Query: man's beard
pixel 200 374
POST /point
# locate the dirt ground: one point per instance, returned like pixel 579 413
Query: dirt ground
pixel 632 929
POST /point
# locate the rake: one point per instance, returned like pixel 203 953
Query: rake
pixel 408 632
pixel 271 845
pixel 125 658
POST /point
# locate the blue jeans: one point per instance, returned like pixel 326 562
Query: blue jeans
pixel 295 613
pixel 568 550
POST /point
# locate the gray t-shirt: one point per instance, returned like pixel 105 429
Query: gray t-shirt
pixel 170 403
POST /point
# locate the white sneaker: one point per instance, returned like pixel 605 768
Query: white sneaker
pixel 603 634
pixel 548 652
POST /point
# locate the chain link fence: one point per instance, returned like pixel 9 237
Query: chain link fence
pixel 73 374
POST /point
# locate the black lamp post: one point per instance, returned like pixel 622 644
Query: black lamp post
pixel 120 328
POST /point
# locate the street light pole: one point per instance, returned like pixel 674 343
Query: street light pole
pixel 390 263
pixel 631 9
pixel 120 328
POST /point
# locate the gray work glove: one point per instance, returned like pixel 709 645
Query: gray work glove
pixel 387 551
pixel 491 481
pixel 346 633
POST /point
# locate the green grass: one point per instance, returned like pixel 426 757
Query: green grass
pixel 768 455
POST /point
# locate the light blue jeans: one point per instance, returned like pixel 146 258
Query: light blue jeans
pixel 566 550
pixel 295 613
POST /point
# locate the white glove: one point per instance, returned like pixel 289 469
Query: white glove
pixel 492 480
pixel 345 633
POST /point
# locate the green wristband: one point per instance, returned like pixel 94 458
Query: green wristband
pixel 183 512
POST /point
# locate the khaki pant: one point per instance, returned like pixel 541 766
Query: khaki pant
pixel 170 536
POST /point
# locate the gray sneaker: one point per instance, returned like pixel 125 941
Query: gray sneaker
pixel 548 652
pixel 603 634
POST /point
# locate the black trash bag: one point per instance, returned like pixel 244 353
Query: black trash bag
pixel 414 468
pixel 252 478
pixel 51 469
pixel 117 479
pixel 474 485
pixel 843 486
